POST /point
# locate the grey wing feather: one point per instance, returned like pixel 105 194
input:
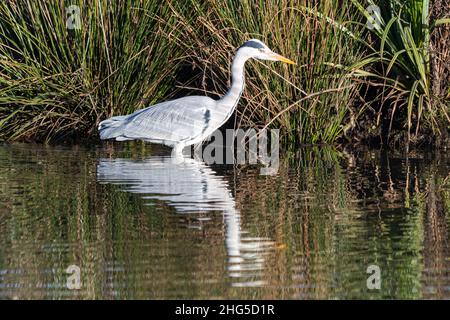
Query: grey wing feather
pixel 170 122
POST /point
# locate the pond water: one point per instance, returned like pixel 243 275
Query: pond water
pixel 140 226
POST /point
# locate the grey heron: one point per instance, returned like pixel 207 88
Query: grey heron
pixel 189 120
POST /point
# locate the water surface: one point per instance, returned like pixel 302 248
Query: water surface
pixel 142 226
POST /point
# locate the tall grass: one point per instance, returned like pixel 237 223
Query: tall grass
pixel 56 81
pixel 402 59
pixel 286 97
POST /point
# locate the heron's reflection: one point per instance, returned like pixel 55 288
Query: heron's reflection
pixel 191 186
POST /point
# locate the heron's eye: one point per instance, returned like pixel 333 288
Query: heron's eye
pixel 261 50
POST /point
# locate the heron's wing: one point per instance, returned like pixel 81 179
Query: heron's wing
pixel 172 121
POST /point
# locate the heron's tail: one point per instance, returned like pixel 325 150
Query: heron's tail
pixel 111 128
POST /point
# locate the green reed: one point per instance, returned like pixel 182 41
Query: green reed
pixel 59 82
pixel 402 57
pixel 308 102
pixel 56 82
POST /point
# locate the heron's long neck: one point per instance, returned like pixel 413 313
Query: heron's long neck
pixel 237 81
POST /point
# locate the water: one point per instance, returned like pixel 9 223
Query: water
pixel 141 226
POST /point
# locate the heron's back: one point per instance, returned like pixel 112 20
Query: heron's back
pixel 172 122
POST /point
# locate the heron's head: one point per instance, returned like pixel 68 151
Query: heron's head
pixel 255 48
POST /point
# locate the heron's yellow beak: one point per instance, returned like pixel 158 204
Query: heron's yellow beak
pixel 281 58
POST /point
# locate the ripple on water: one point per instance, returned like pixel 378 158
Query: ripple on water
pixel 146 227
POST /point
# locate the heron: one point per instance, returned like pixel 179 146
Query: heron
pixel 188 120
